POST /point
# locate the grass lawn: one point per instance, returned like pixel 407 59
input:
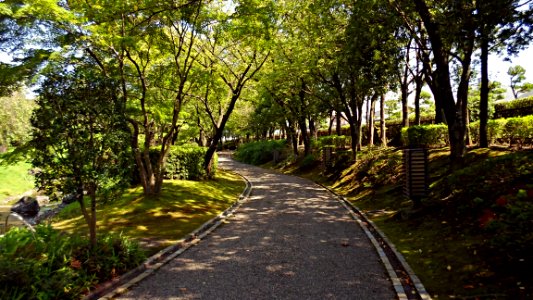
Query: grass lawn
pixel 157 222
pixel 14 180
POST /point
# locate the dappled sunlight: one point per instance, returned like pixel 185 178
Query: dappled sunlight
pixel 158 221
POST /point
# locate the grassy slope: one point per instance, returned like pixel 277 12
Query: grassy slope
pixel 159 221
pixel 447 242
pixel 15 180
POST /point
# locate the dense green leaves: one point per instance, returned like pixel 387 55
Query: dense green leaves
pixel 49 265
pixel 80 136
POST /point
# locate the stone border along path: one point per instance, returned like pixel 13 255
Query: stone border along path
pixel 292 239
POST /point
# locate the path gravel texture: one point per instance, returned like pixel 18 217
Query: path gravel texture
pixel 291 240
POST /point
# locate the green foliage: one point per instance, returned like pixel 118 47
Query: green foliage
pixel 484 179
pixel 15 120
pixel 496 92
pixel 511 225
pixel 511 130
pixel 337 141
pixel 184 162
pixel 80 135
pixel 515 108
pixel 310 160
pixel 259 152
pixel 518 75
pixel 425 136
pixel 15 179
pixel 50 265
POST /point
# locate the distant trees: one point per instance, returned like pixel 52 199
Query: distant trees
pixel 517 76
pixel 15 119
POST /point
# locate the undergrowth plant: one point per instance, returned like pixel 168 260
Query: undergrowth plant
pixel 259 152
pixel 47 264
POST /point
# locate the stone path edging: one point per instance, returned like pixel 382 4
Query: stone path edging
pixel 156 261
pixel 357 214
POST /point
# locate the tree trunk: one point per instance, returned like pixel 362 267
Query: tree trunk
pixel 418 90
pixel 484 94
pixel 405 107
pixel 371 120
pixel 313 131
pixel 219 132
pixel 330 127
pixel 382 122
pixel 360 125
pixel 442 89
pixel 89 216
pixel 338 118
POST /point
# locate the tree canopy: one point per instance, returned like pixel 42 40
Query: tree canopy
pixel 184 68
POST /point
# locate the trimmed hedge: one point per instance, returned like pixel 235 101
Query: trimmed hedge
pixel 511 130
pixel 259 152
pixel 518 130
pixel 515 108
pixel 337 141
pixel 184 162
pixel 425 136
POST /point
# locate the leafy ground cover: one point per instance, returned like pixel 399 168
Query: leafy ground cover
pixel 14 179
pixel 129 229
pixel 157 222
pixel 473 236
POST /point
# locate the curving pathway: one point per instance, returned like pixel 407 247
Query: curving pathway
pixel 290 240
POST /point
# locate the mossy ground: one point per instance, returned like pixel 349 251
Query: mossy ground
pixel 157 222
pixel 452 243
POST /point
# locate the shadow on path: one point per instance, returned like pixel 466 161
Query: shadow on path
pixel 290 240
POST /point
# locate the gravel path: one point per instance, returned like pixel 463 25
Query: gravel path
pixel 291 240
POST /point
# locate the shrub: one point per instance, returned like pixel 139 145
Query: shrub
pixel 511 130
pixel 515 108
pixel 50 265
pixel 184 162
pixel 259 152
pixel 337 141
pixel 425 136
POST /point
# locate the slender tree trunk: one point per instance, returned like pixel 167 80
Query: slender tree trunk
pixel 338 118
pixel 360 125
pixel 382 122
pixel 371 119
pixel 484 94
pixel 219 132
pixel 330 127
pixel 418 90
pixel 405 107
pixel 312 129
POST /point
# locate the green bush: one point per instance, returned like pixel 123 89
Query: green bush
pixel 425 136
pixel 50 265
pixel 518 129
pixel 515 108
pixel 184 162
pixel 259 152
pixel 337 141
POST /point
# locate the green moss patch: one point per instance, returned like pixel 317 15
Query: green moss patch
pixel 157 222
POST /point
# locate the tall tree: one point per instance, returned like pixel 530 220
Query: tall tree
pixel 499 23
pixel 80 137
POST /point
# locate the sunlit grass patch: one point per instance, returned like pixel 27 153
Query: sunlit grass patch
pixel 15 179
pixel 159 221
